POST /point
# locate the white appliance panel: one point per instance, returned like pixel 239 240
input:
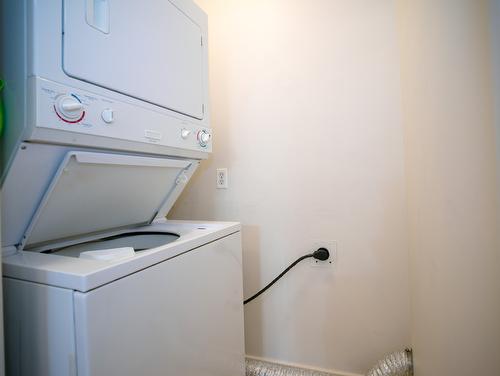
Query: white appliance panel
pixel 123 118
pixel 180 317
pixel 85 275
pixel 128 122
pixel 31 174
pixel 152 52
pixel 96 192
pixel 39 334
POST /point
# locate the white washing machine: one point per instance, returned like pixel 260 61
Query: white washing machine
pixel 106 104
pixel 173 308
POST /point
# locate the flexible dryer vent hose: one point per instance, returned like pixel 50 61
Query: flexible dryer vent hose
pixel 396 364
pixel 260 368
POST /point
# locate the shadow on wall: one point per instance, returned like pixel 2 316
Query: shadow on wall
pixel 252 269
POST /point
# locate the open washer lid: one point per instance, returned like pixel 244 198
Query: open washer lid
pixel 94 193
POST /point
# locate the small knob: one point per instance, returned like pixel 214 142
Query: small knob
pixel 204 137
pixel 69 108
pixel 108 115
pixel 185 133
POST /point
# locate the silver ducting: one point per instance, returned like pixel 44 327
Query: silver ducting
pixel 260 368
pixel 396 364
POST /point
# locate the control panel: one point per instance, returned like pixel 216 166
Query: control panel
pixel 72 110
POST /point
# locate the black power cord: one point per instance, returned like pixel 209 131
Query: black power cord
pixel 321 254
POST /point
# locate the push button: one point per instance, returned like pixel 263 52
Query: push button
pixel 108 115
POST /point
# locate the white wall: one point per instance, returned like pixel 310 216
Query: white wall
pixel 306 114
pixel 455 255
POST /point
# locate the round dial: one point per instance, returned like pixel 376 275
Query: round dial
pixel 69 108
pixel 204 137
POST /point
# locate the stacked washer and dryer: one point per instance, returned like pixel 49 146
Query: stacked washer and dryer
pixel 106 105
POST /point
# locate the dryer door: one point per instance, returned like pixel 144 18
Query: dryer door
pixel 92 193
pixel 152 51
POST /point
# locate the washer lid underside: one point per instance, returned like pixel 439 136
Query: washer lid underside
pixel 94 193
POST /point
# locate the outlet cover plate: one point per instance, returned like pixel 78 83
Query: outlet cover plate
pixel 222 182
pixel 331 245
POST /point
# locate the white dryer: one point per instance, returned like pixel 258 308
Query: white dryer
pixel 106 104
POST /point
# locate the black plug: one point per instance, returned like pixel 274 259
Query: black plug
pixel 321 254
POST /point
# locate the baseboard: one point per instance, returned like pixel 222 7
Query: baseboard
pixel 333 372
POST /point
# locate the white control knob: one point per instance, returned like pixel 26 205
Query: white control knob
pixel 69 108
pixel 204 137
pixel 108 115
pixel 185 133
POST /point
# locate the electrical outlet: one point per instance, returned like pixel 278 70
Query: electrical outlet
pixel 222 182
pixel 331 245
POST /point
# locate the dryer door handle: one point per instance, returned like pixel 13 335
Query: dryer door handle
pixel 97 15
